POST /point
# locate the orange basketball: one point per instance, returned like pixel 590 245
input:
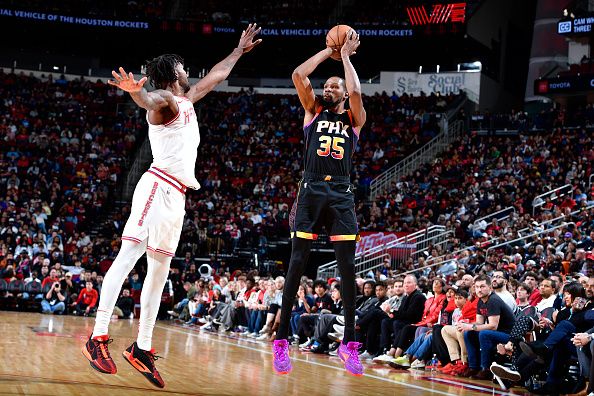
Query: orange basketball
pixel 336 38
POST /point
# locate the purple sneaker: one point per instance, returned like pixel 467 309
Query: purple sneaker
pixel 281 362
pixel 349 354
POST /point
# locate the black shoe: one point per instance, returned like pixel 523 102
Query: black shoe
pixel 319 348
pixel 507 373
pixel 144 361
pixel 535 350
pixel 334 346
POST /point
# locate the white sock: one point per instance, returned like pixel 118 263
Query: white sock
pixel 150 299
pixel 129 254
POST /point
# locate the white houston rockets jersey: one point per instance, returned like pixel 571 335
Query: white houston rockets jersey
pixel 175 144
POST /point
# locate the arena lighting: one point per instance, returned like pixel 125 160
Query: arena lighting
pixel 437 68
pixel 420 69
pixel 470 67
pixel 56 68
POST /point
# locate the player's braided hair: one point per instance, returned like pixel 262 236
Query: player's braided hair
pixel 161 70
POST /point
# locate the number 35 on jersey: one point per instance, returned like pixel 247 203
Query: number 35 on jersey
pixel 332 145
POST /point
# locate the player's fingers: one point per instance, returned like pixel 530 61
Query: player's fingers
pixel 257 42
pixel 112 82
pixel 123 72
pixel 142 81
pixel 115 75
pixel 131 76
pixel 253 32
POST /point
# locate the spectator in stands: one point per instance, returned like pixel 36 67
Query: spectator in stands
pixel 87 300
pixel 54 300
pixel 303 304
pixel 465 312
pixel 494 321
pixel 410 311
pixel 539 322
pixel 499 284
pixel 124 307
pixel 51 278
pixel 531 279
pixel 179 307
pixel 431 313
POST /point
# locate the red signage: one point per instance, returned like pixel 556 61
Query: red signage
pixel 441 13
pixel 372 239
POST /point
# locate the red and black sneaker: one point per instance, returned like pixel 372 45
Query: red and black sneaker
pixel 98 354
pixel 144 361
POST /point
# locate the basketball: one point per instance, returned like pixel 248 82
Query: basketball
pixel 336 38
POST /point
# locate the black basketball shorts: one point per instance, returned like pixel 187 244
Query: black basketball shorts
pixel 324 201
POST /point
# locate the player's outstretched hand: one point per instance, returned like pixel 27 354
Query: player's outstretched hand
pixel 351 44
pixel 125 81
pixel 246 42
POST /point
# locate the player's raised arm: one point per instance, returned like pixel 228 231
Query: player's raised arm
pixel 301 81
pixel 155 100
pixel 353 84
pixel 221 70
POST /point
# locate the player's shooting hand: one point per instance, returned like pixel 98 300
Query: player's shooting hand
pixel 125 81
pixel 246 42
pixel 351 44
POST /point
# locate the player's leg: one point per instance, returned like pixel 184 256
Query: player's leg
pixel 96 349
pixel 164 232
pixel 128 255
pixel 345 258
pixel 141 354
pixel 299 257
pixel 344 235
pixel 302 221
pixel 349 349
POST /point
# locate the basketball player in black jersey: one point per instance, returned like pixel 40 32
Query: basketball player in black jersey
pixel 325 196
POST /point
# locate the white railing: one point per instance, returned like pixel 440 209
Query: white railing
pixel 550 221
pixel 559 192
pixel 425 154
pixel 444 258
pixel 441 260
pixel 397 251
pixel 499 215
pixel 531 235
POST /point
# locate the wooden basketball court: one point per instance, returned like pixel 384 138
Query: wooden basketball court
pixel 41 355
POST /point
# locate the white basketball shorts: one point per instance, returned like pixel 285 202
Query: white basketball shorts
pixel 158 210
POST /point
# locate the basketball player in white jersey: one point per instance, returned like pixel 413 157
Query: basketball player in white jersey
pixel 158 204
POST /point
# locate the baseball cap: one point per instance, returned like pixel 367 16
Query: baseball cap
pixel 511 266
pixel 590 256
pixel 530 262
pixel 568 235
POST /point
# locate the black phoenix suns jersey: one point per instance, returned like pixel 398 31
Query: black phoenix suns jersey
pixel 330 141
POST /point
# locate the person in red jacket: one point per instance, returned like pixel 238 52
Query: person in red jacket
pixel 466 303
pixel 433 306
pixel 87 300
pixel 51 278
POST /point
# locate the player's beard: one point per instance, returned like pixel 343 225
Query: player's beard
pixel 329 103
